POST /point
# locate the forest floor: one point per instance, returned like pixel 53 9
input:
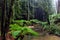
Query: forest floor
pixel 43 36
pixel 47 37
pixel 0 38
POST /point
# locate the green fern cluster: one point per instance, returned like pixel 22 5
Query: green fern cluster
pixel 54 17
pixel 53 28
pixel 16 29
pixel 29 22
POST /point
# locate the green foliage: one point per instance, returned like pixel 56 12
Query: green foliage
pixel 54 17
pixel 53 28
pixel 16 29
pixel 57 32
pixel 37 21
pixel 16 9
pixel 46 5
pixel 27 8
pixel 22 22
pixel 21 9
pixel 29 22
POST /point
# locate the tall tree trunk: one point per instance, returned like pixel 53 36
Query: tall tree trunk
pixel 6 16
pixel 3 21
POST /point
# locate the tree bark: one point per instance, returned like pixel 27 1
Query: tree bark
pixel 3 21
pixel 6 16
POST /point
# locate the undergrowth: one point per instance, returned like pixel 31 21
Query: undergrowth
pixel 53 28
pixel 19 28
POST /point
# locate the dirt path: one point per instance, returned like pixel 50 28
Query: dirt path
pixel 47 37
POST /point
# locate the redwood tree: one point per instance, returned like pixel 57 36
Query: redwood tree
pixel 6 16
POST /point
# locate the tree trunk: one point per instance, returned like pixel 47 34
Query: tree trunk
pixel 6 16
pixel 3 21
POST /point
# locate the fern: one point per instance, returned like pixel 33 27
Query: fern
pixel 16 30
